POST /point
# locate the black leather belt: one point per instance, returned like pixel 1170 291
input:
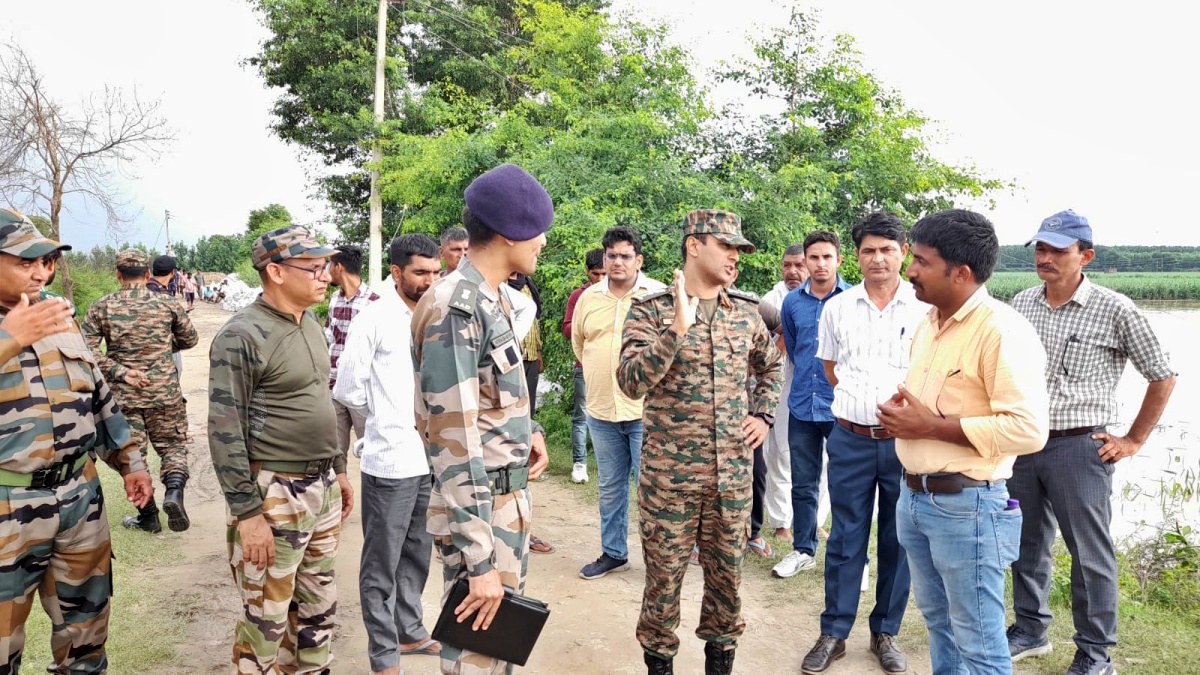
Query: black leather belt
pixel 944 483
pixel 1077 431
pixel 508 479
pixel 316 467
pixel 876 433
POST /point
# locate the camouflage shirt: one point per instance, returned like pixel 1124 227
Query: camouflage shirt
pixel 55 406
pixel 696 391
pixel 140 329
pixel 268 399
pixel 472 405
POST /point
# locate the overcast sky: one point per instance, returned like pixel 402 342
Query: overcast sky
pixel 1083 107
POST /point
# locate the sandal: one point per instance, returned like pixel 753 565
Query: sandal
pixel 431 647
pixel 538 546
pixel 694 558
pixel 762 547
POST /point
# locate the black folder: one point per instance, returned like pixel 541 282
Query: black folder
pixel 512 635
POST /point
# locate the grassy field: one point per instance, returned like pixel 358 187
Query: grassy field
pixel 143 627
pixel 1136 285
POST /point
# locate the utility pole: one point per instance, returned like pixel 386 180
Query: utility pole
pixel 375 250
pixel 168 227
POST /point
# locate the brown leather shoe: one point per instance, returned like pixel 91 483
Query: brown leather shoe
pixel 891 659
pixel 827 650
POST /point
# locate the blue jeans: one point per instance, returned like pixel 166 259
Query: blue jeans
pixel 618 448
pixel 579 430
pixel 806 441
pixel 958 547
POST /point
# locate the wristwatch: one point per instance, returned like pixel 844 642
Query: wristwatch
pixel 769 419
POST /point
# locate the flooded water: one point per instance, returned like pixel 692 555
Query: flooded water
pixel 1159 485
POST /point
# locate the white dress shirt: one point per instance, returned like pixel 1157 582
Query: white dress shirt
pixel 870 346
pixel 375 378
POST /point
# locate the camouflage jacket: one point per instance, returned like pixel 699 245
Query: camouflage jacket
pixel 55 406
pixel 268 399
pixel 696 389
pixel 472 405
pixel 140 328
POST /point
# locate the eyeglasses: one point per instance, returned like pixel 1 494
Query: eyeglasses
pixel 624 257
pixel 316 272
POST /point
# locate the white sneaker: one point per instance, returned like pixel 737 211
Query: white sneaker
pixel 579 472
pixel 792 563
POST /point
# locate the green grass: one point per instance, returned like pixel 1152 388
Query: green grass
pixel 143 626
pixel 1136 285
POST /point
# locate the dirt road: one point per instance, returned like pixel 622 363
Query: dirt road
pixel 591 628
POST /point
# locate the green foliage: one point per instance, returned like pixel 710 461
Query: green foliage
pixel 1148 286
pixel 216 253
pixel 1115 259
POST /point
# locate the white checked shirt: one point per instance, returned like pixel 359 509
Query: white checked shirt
pixel 1088 340
pixel 870 346
pixel 376 379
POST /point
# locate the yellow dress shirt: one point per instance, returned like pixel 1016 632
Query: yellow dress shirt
pixel 985 367
pixel 596 338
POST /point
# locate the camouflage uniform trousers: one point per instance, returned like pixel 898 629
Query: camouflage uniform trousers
pixel 510 528
pixel 166 428
pixel 672 521
pixel 57 543
pixel 288 610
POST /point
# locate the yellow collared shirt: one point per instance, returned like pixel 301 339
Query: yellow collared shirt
pixel 985 367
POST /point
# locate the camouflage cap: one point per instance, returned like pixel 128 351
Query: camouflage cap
pixel 132 257
pixel 19 237
pixel 286 242
pixel 724 225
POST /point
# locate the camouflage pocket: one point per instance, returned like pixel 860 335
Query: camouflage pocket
pixel 78 366
pixel 13 386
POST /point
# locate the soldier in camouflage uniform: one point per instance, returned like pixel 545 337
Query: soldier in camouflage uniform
pixel 272 435
pixel 473 404
pixel 56 412
pixel 688 350
pixel 139 328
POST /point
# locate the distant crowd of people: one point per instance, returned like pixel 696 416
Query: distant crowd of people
pixel 964 429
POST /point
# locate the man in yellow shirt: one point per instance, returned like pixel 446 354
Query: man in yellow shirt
pixel 973 400
pixel 614 419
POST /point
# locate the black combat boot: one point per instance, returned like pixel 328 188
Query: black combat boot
pixel 657 666
pixel 177 517
pixel 717 659
pixel 146 519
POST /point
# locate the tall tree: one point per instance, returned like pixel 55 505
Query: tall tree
pixel 49 153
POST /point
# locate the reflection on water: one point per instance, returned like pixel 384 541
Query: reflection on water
pixel 1164 476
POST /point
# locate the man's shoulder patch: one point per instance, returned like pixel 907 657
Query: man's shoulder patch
pixel 464 298
pixel 652 295
pixel 743 295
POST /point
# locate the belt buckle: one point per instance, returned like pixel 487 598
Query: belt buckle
pixel 41 479
pixel 880 430
pixel 503 482
pixel 316 467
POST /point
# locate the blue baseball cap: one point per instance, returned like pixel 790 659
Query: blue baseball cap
pixel 1063 229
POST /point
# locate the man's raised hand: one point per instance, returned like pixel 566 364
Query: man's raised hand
pixel 28 323
pixel 685 307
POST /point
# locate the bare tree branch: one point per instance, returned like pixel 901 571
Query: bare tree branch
pixel 48 152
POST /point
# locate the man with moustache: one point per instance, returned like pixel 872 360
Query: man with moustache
pixel 810 417
pixel 272 436
pixel 453 246
pixel 1089 333
pixel 614 419
pixel 689 350
pixel 777 496
pixel 473 404
pixel 56 411
pixel 351 297
pixel 863 341
pixel 395 471
pixel 974 398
